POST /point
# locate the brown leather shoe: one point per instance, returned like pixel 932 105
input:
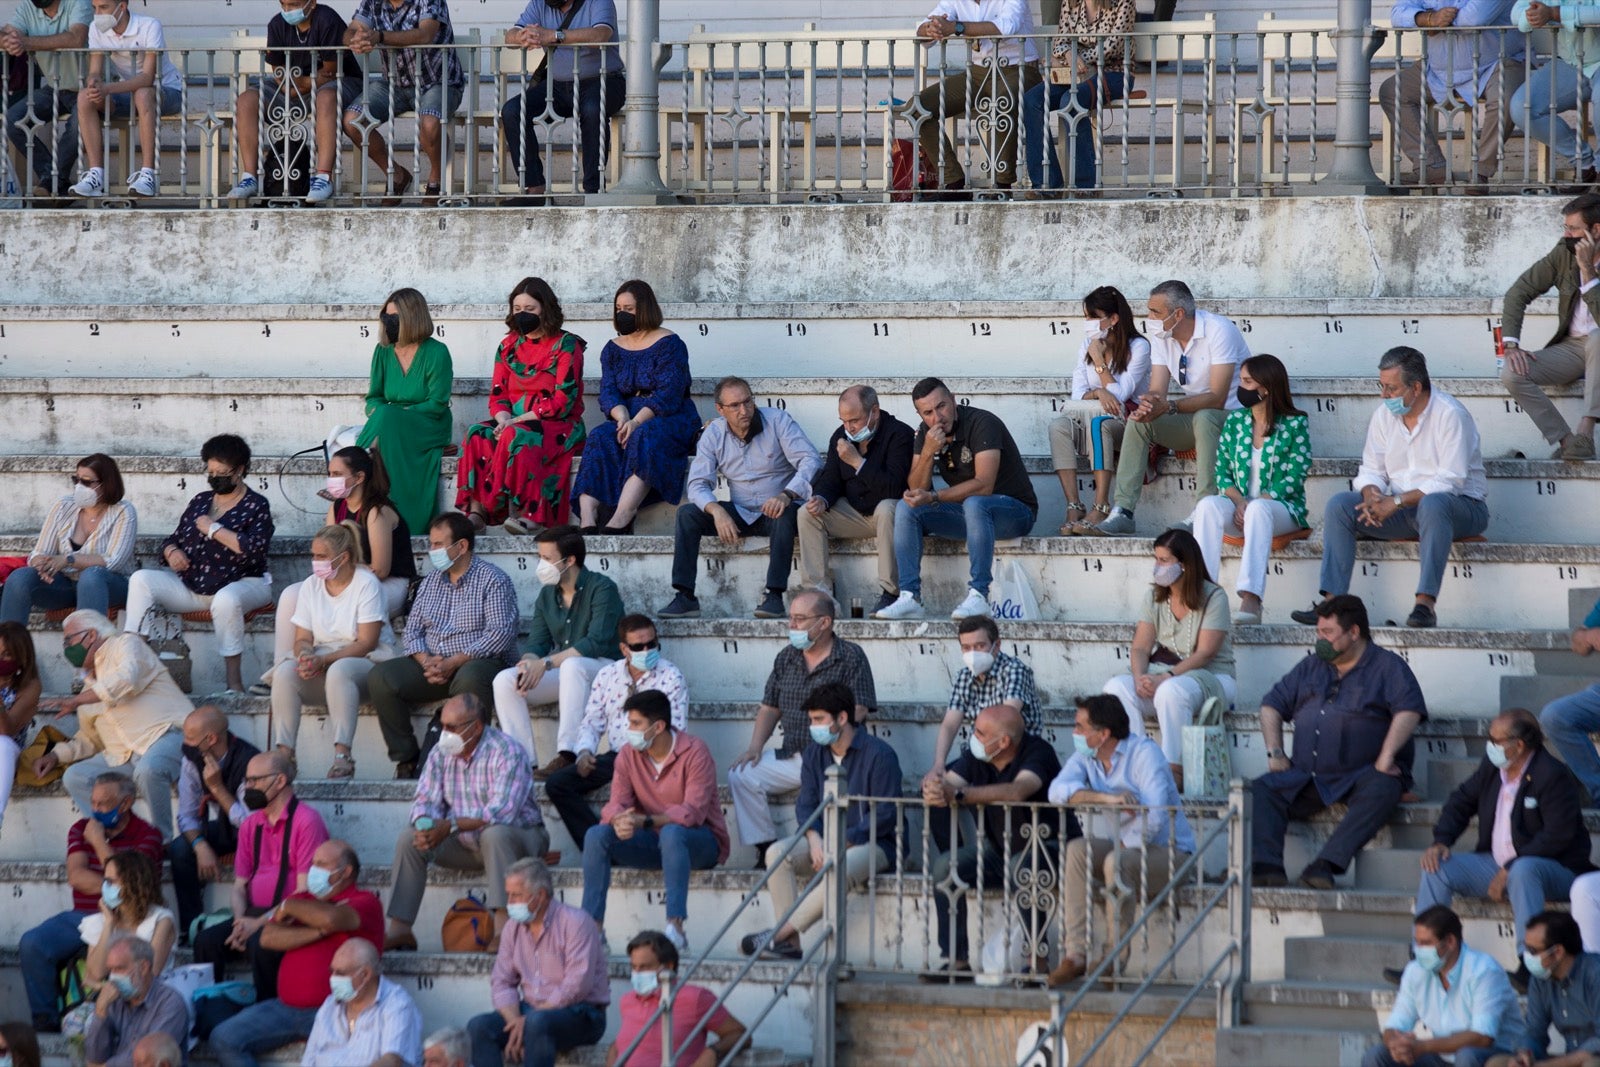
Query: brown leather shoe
pixel 1067 971
pixel 559 762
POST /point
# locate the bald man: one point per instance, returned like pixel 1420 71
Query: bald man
pixel 210 807
pixel 863 475
pixel 157 1050
pixel 1003 765
pixel 367 1020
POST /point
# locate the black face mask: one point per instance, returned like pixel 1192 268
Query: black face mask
pixel 525 322
pixel 256 799
pixel 391 328
pixel 222 483
pixel 626 322
pixel 1248 397
pixel 1571 243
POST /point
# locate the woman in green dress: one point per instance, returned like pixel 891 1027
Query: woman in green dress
pixel 408 406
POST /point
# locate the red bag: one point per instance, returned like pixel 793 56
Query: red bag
pixel 902 152
pixel 9 564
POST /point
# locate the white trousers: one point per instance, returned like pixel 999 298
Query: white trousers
pixel 342 687
pixel 9 753
pixel 394 598
pixel 1586 909
pixel 1263 520
pixel 1174 705
pixel 566 686
pixel 228 605
pixel 751 785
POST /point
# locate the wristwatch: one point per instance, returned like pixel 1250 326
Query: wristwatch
pixel 961 29
pixel 1277 753
pixel 649 822
pixel 961 797
pixel 1398 500
pixel 455 827
pixel 561 35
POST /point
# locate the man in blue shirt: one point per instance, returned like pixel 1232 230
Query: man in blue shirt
pixel 1564 992
pixel 1568 722
pixel 1354 706
pixel 871 769
pixel 1111 768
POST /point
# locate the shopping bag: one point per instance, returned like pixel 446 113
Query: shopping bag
pixel 1206 768
pixel 1011 596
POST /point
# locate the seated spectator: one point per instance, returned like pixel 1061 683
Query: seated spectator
pixel 515 466
pixel 110 828
pixel 278 844
pixel 34 34
pixel 429 81
pixel 475 810
pixel 987 496
pixel 311 73
pixel 449 1047
pixel 1562 84
pixel 132 1005
pixel 216 559
pixel 19 701
pixel 1112 371
pixel 1202 352
pixel 1368 702
pixel 997 76
pixel 210 807
pixel 158 1049
pixel 1573 354
pixel 1460 994
pixel 1478 69
pixel 854 496
pixel 1569 721
pixel 640 453
pixel 768 463
pixel 1110 767
pixel 695 1012
pixel 130 905
pixel 1182 652
pixel 550 985
pixel 341 632
pixel 570 638
pixel 1563 992
pixel 871 769
pixel 366 1019
pixel 1263 458
pixel 410 411
pixel 1087 60
pixel 1004 765
pixel 1421 478
pixel 1531 838
pixel 129 73
pixel 299 939
pixel 130 717
pixel 661 816
pixel 815 656
pixel 18 1041
pixel 586 80
pixel 461 632
pixel 85 551
pixel 640 667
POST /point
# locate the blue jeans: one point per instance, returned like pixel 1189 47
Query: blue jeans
pixel 982 520
pixel 1567 724
pixel 170 101
pixel 52 169
pixel 1553 88
pixel 1437 521
pixel 599 98
pixel 1040 146
pixel 1378 1056
pixel 95 588
pixel 260 1028
pixel 544 1033
pixel 673 850
pixel 43 950
pixel 1533 882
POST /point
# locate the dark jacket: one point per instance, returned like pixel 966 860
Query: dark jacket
pixel 1557 270
pixel 1546 819
pixel 883 475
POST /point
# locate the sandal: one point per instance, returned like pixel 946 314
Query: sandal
pixel 518 526
pixel 344 766
pixel 1073 526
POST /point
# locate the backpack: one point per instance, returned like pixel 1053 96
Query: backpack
pixel 468 926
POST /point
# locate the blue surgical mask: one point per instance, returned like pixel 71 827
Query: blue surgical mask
pixel 124 983
pixel 645 983
pixel 5 1061
pixel 440 558
pixel 518 912
pixel 343 988
pixel 1428 958
pixel 800 639
pixel 295 17
pixel 976 747
pixel 823 735
pixel 108 819
pixel 1535 964
pixel 111 893
pixel 1081 746
pixel 860 435
pixel 1497 755
pixel 320 882
pixel 637 740
pixel 646 660
pixel 1396 405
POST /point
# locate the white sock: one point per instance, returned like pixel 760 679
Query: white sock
pixel 247 176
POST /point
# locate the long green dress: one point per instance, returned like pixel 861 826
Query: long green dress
pixel 408 422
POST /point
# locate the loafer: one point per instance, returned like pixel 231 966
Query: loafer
pixel 1067 971
pixel 1317 876
pixel 392 943
pixel 1308 617
pixel 683 606
pixel 1422 617
pixel 771 606
pixel 405 771
pixel 559 762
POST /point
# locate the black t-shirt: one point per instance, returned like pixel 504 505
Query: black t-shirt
pixel 977 430
pixel 1035 754
pixel 324 29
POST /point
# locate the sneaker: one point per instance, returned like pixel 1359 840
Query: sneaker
pixel 1118 524
pixel 750 944
pixel 260 689
pixel 1308 617
pixel 1422 617
pixel 762 943
pixel 771 606
pixel 683 606
pixel 884 601
pixel 1577 448
pixel 247 189
pixel 91 185
pixel 679 942
pixel 1317 875
pixel 145 183
pixel 975 604
pixel 321 189
pixel 905 606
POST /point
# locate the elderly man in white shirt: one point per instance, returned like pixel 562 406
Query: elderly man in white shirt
pixel 1421 477
pixel 997 74
pixel 367 1019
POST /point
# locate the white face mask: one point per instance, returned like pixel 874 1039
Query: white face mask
pixel 106 23
pixel 85 497
pixel 548 573
pixel 451 744
pixel 1092 330
pixel 978 662
pixel 1156 330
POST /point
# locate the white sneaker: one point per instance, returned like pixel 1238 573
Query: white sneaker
pixel 975 604
pixel 247 189
pixel 92 184
pixel 144 183
pixel 679 942
pixel 321 189
pixel 906 606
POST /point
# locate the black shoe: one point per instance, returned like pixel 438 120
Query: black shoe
pixel 406 770
pixel 1268 878
pixel 884 601
pixel 1392 975
pixel 761 858
pixel 1519 979
pixel 525 201
pixel 1422 617
pixel 957 971
pixel 683 606
pixel 1318 875
pixel 588 531
pixel 618 531
pixel 47 1024
pixel 771 606
pixel 1307 617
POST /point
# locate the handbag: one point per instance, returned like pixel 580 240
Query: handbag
pixel 1206 767
pixel 48 735
pixel 1011 594
pixel 468 926
pixel 164 633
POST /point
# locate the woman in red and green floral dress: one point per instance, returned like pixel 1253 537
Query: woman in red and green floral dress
pixel 516 468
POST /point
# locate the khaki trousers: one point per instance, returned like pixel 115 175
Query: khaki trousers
pixel 1092 859
pixel 1199 430
pixel 1409 105
pixel 1562 363
pixel 845 522
pixel 861 862
pixel 994 95
pixel 498 848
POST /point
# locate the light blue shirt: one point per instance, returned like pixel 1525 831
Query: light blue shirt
pixel 1576 43
pixel 60 70
pixel 390 1024
pixel 778 456
pixel 591 60
pixel 1138 766
pixel 1480 999
pixel 1462 61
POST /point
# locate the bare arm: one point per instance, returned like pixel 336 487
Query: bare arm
pixel 985 469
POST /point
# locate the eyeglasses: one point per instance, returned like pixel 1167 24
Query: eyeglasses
pixel 73 479
pixel 642 646
pixel 747 402
pixel 801 620
pixel 261 777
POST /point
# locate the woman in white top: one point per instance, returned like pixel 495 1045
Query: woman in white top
pixel 85 551
pixel 1113 369
pixel 341 628
pixel 19 701
pixel 130 905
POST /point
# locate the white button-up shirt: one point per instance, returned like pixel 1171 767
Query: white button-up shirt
pixel 1014 18
pixel 1480 999
pixel 613 684
pixel 1441 455
pixel 391 1023
pixel 1216 340
pixel 1131 384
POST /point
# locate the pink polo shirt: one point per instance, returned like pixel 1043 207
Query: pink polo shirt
pixel 689 1006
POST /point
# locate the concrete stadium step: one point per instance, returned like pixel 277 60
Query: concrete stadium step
pixel 824 338
pixel 1274 1046
pixel 1340 958
pixel 1332 1005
